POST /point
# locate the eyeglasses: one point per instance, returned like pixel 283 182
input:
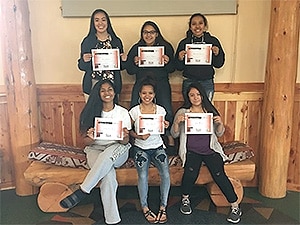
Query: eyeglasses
pixel 152 32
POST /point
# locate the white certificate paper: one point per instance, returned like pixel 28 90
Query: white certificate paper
pixel 151 56
pixel 199 123
pixel 106 59
pixel 108 129
pixel 150 124
pixel 198 54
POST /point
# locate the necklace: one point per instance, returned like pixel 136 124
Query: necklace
pixel 196 110
pixel 148 109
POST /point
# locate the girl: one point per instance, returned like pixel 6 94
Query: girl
pixel 103 155
pixel 197 148
pixel 151 36
pixel 204 74
pixel 101 36
pixel 148 148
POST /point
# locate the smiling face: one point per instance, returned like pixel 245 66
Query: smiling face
pixel 149 35
pixel 107 93
pixel 147 94
pixel 198 26
pixel 195 97
pixel 100 22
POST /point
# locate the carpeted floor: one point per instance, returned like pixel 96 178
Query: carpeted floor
pixel 256 209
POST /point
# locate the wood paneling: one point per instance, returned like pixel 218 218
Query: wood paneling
pixel 6 160
pixel 239 104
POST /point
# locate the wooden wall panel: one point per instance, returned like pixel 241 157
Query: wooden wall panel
pixel 293 179
pixel 60 107
pixel 6 160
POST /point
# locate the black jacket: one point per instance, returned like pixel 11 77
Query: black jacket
pixel 200 72
pixel 87 44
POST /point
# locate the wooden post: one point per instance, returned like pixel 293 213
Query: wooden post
pixel 280 82
pixel 20 86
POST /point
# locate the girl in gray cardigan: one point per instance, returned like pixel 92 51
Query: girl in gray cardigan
pixel 197 148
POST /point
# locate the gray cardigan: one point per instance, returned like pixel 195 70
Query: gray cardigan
pixel 214 143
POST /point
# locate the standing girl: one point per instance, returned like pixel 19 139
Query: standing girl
pixel 151 36
pixel 148 148
pixel 103 156
pixel 101 36
pixel 197 148
pixel 204 74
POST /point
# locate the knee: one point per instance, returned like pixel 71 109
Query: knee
pixel 162 158
pixel 140 159
pixel 191 172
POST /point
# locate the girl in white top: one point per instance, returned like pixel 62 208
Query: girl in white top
pixel 149 148
pixel 103 156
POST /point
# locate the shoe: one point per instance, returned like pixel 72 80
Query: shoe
pixel 235 215
pixel 162 216
pixel 73 199
pixel 185 207
pixel 150 216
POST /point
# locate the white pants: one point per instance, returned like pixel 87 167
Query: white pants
pixel 103 161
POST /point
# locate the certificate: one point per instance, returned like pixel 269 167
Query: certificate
pixel 106 59
pixel 199 123
pixel 151 56
pixel 198 54
pixel 108 129
pixel 150 124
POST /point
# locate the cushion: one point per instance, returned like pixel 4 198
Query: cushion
pixel 237 151
pixel 61 155
pixel 70 156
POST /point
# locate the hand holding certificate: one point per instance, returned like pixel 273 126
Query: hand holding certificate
pixel 198 54
pixel 108 129
pixel 199 123
pixel 150 124
pixel 151 56
pixel 106 59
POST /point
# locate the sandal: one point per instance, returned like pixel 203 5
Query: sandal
pixel 150 216
pixel 161 216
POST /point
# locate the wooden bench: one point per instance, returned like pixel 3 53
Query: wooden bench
pixel 41 174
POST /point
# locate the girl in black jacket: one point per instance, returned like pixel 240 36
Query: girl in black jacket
pixel 151 36
pixel 203 74
pixel 101 36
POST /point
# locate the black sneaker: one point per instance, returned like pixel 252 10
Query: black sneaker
pixel 185 207
pixel 235 215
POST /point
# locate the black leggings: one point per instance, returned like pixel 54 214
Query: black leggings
pixel 215 165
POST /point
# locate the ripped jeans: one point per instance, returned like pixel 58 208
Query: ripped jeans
pixel 215 165
pixel 142 161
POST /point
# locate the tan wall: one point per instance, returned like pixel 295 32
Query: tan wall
pixel 56 41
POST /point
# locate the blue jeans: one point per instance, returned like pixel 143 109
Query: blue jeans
pixel 142 161
pixel 208 86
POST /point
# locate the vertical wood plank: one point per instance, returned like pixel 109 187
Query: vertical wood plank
pixel 293 179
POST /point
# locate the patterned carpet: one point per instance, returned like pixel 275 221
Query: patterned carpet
pixel 204 211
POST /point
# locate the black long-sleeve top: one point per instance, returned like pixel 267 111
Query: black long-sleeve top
pixel 87 44
pixel 200 72
pixel 158 73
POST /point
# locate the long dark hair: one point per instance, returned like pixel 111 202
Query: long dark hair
pixel 159 39
pixel 92 30
pixel 206 103
pixel 94 106
pixel 189 33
